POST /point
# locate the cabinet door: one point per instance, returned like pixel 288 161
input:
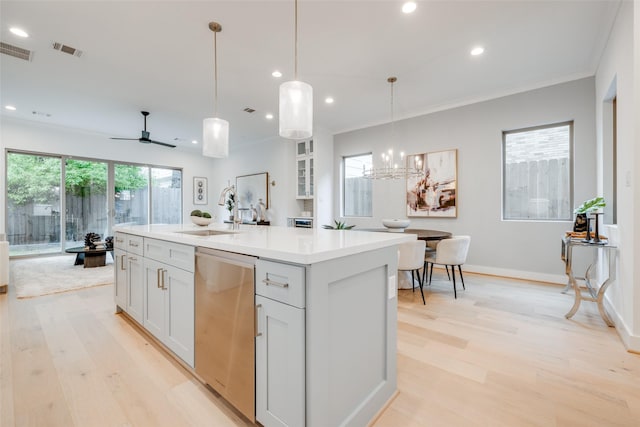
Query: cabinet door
pixel 120 285
pixel 179 313
pixel 301 178
pixel 135 290
pixel 154 295
pixel 310 177
pixel 280 368
pixel 301 148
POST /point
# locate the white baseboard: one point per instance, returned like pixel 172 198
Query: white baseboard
pixel 630 341
pixel 560 279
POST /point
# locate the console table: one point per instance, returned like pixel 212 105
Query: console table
pixel 595 292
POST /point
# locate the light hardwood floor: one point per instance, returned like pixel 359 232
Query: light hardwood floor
pixel 502 354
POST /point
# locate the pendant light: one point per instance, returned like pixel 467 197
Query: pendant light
pixel 387 168
pixel 215 131
pixel 296 101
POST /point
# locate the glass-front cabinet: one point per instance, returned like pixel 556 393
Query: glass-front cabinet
pixel 304 169
pixel 304 148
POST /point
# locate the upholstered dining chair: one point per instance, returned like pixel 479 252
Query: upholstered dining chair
pixel 411 258
pixel 451 252
pixel 430 251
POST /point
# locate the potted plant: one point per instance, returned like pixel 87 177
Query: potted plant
pixel 582 222
pixel 591 205
pixel 339 226
pixel 231 201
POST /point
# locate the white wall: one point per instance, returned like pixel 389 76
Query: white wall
pixel 617 64
pixel 278 157
pixel 275 156
pixel 517 249
pixel 42 138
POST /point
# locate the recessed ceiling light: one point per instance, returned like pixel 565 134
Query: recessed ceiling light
pixel 477 51
pixel 409 7
pixel 10 107
pixel 328 100
pixel 269 116
pixel 276 73
pixel 19 32
pixel 194 142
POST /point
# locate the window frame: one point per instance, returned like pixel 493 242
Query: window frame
pixel 569 123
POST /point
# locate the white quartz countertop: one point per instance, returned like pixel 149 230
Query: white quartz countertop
pixel 296 245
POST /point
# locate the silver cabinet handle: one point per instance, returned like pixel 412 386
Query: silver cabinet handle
pixel 158 274
pixel 122 262
pixel 163 272
pixel 255 321
pixel 133 258
pixel 134 244
pixel 274 283
pixel 119 240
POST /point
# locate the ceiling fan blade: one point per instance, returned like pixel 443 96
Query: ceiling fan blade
pixel 162 143
pixel 127 139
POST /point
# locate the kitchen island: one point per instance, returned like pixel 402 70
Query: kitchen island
pixel 325 329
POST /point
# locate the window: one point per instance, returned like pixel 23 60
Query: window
pixel 356 190
pixel 609 160
pixel 536 173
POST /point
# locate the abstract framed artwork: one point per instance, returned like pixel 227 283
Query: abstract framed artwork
pixel 251 189
pixel 199 190
pixel 434 194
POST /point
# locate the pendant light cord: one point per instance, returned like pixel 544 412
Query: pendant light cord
pixel 393 123
pixel 215 75
pixel 295 55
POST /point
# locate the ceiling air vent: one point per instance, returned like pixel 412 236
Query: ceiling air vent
pixel 67 49
pixel 15 51
pixel 249 110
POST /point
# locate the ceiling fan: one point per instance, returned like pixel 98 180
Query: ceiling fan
pixel 145 135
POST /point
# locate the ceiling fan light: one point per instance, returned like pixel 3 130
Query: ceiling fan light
pixel 215 138
pixel 296 110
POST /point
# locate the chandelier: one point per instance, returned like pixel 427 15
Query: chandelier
pixel 388 168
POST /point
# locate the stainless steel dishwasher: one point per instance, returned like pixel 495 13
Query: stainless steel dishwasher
pixel 225 317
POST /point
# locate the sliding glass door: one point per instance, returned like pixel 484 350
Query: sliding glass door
pixel 86 208
pixel 33 203
pixel 166 194
pixel 131 197
pixel 54 201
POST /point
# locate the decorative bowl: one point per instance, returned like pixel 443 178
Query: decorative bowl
pixel 198 220
pixel 396 225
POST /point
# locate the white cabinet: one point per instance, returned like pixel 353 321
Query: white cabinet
pixel 135 278
pixel 169 296
pixel 304 170
pixel 154 295
pixel 280 344
pixel 120 285
pixel 129 274
pixel 304 148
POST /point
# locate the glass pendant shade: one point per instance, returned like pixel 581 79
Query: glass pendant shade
pixel 215 137
pixel 296 110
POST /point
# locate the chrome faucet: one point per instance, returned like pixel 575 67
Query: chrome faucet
pixel 231 189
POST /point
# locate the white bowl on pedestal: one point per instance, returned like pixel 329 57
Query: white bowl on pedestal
pixel 396 225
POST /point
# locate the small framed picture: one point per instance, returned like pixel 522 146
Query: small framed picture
pixel 199 190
